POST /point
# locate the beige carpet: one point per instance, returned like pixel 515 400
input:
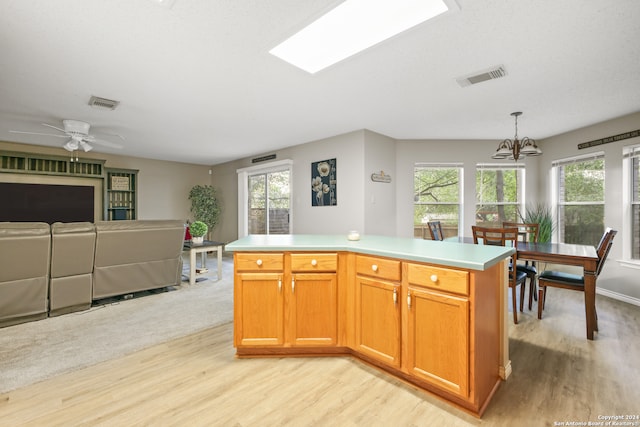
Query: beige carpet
pixel 34 351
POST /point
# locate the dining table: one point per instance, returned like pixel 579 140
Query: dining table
pixel 584 256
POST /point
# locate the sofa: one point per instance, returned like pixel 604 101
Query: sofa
pixel 72 253
pixel 25 249
pixel 133 256
pixel 52 270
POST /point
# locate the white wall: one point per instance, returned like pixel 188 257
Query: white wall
pixel 617 279
pixel 348 215
pixel 379 198
pixel 388 208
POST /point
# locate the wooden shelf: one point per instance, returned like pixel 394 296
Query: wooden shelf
pixel 120 198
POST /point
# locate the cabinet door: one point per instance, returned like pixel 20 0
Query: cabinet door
pixel 438 339
pixel 312 306
pixel 378 319
pixel 259 306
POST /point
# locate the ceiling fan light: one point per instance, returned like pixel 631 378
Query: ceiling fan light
pixel 70 146
pixel 86 147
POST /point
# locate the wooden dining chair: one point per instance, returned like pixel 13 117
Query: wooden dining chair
pixel 435 229
pixel 559 279
pixel 504 237
pixel 527 232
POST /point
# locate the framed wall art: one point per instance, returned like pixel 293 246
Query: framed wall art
pixel 324 183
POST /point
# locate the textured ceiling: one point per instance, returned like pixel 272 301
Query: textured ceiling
pixel 197 84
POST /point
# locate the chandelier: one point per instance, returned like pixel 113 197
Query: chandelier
pixel 513 149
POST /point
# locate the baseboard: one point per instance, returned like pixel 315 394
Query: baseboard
pixel 618 296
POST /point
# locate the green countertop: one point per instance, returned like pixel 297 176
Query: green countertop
pixel 451 254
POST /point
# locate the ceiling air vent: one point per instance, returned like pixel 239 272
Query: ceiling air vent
pixel 482 76
pixel 98 102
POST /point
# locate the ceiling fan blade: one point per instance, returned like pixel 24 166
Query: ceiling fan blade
pixel 111 134
pixel 93 140
pixel 54 127
pixel 39 133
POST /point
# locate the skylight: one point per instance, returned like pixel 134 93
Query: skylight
pixel 352 27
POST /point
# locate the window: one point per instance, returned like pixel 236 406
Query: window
pixel 498 194
pixel 269 203
pixel 632 159
pixel 264 199
pixel 437 197
pixel 580 199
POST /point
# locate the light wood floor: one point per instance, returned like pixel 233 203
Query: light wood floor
pixel 558 376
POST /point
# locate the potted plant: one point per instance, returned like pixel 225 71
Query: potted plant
pixel 541 214
pixel 205 206
pixel 198 229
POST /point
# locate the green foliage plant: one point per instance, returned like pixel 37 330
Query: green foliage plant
pixel 205 206
pixel 198 229
pixel 541 214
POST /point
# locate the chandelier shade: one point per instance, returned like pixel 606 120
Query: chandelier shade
pixel 513 149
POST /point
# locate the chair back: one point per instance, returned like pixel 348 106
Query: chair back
pixel 435 229
pixel 528 231
pixel 499 237
pixel 604 247
pixel 495 236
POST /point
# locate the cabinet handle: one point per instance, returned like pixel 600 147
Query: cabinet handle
pixel 395 296
pixel 259 262
pixel 314 262
pixel 293 285
pixel 374 267
pixel 280 285
pixel 409 299
pixel 434 278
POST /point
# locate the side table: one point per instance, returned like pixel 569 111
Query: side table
pixel 202 248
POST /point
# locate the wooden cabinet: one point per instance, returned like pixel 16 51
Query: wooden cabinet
pixel 433 326
pixel 377 309
pixel 286 300
pixel 259 299
pixel 120 194
pixel 438 327
pixel 259 319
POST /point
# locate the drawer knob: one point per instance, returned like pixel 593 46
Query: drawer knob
pixel 259 262
pixel 314 262
pixel 434 278
pixel 374 267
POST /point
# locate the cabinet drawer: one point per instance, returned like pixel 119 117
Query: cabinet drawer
pixel 257 261
pixel 378 267
pixel 443 279
pixel 314 262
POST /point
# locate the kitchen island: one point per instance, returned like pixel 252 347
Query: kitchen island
pixel 430 313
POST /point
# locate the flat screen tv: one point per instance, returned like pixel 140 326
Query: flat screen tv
pixel 46 202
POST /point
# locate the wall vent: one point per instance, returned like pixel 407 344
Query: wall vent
pixel 482 76
pixel 98 102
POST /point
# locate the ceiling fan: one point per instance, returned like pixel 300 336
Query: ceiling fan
pixel 78 132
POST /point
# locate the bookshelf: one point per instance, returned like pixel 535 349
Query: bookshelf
pixel 120 195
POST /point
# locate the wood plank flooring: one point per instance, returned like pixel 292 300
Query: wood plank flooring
pixel 558 376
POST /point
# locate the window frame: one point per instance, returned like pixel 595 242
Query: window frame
pixel 520 183
pixel 460 203
pixel 243 182
pixel 631 201
pixel 557 170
